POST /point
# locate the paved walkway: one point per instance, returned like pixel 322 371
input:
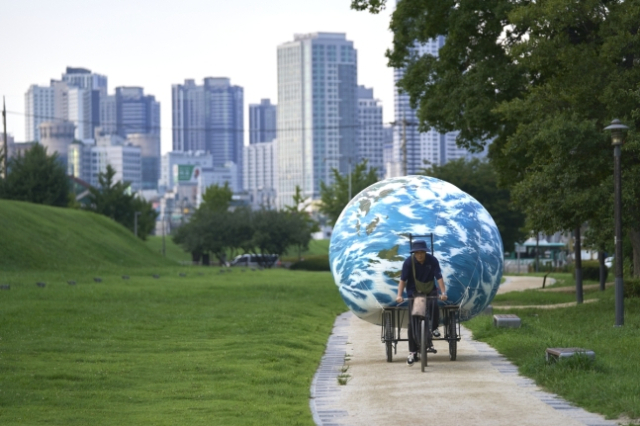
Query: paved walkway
pixel 480 388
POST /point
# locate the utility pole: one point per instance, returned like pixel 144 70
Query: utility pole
pixel 5 151
pixel 404 147
pixel 403 142
pixel 163 232
pixel 135 222
pixel 349 178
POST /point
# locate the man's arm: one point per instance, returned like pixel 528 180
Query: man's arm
pixel 401 285
pixel 443 294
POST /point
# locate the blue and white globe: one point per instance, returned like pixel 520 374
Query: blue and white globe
pixel 370 241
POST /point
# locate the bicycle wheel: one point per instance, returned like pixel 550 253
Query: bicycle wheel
pixel 423 344
pixel 453 337
pixel 388 335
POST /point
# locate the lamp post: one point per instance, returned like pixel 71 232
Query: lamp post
pixel 135 222
pixel 617 135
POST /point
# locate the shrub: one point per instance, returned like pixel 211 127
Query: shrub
pixel 591 271
pixel 632 288
pixel 315 263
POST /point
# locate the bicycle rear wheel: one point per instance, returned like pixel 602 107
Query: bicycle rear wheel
pixel 388 335
pixel 453 337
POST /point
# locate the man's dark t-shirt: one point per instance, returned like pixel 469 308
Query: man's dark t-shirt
pixel 425 272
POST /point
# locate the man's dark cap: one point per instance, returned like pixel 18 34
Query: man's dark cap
pixel 418 245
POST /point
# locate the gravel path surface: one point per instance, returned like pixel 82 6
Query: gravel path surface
pixel 480 388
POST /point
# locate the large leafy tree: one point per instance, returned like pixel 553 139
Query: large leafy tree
pixel 478 178
pixel 219 232
pixel 114 199
pixel 335 197
pixel 36 177
pixel 541 79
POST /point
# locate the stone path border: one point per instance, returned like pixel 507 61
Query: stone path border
pixel 507 368
pixel 325 390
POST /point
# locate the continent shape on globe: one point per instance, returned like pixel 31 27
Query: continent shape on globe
pixel 370 241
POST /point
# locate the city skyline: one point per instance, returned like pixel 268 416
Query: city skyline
pixel 159 51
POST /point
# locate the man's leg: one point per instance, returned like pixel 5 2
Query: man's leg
pixel 413 347
pixel 435 314
pixel 432 309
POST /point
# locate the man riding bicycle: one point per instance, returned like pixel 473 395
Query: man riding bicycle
pixel 424 268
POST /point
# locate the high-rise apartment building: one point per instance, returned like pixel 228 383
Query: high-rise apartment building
pixel 88 161
pixel 370 130
pixel 135 112
pixel 38 108
pixel 108 116
pixel 84 91
pixel 209 118
pixel 413 151
pixel 262 122
pixel 75 98
pixel 260 174
pixel 85 79
pixel 317 112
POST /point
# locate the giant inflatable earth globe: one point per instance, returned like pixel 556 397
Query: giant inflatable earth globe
pixel 370 241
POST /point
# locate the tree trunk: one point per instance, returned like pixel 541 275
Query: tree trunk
pixel 634 236
pixel 578 255
pixel 603 270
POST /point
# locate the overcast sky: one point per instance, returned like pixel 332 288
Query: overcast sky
pixel 155 44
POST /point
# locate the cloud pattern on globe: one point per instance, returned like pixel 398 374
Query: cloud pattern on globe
pixel 370 241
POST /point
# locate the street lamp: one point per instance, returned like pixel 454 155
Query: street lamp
pixel 135 222
pixel 617 135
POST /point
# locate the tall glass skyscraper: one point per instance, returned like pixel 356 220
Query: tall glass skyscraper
pixel 262 122
pixel 317 112
pixel 370 130
pixel 209 118
pixel 420 149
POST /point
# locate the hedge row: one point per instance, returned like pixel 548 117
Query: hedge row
pixel 315 263
pixel 591 271
pixel 632 288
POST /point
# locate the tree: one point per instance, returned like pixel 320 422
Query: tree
pixel 114 200
pixel 335 197
pixel 36 177
pixel 529 75
pixel 217 197
pixel 478 178
pixel 274 231
pixel 302 223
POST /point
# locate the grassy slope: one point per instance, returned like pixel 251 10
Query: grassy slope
pixel 36 237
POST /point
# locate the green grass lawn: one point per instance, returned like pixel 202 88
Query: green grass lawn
pixel 316 248
pixel 238 348
pixel 611 385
